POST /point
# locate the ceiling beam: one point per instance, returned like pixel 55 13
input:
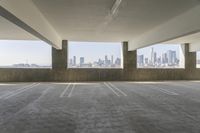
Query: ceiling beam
pixel 194 47
pixel 193 40
pixel 182 25
pixel 25 14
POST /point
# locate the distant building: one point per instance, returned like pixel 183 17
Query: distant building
pixel 159 61
pixel 152 56
pixel 164 58
pixel 70 62
pixel 146 61
pixel 171 57
pixel 118 61
pixel 174 59
pixel 21 65
pixel 98 63
pixel 81 61
pixel 74 60
pixel 140 60
pixel 106 60
pixel 112 59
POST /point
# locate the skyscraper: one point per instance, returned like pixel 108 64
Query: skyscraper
pixel 146 61
pixel 159 61
pixel 81 61
pixel 112 60
pixel 118 61
pixel 174 57
pixel 171 57
pixel 141 60
pixel 70 62
pixel 152 56
pixel 164 58
pixel 106 60
pixel 74 60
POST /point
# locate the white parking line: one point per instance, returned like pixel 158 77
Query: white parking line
pixel 15 91
pixel 71 90
pixel 45 91
pixel 111 89
pixel 164 90
pixel 18 92
pixel 63 93
pixel 117 89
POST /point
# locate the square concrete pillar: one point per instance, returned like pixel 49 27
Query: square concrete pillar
pixel 129 62
pixel 59 57
pixel 190 59
pixel 129 57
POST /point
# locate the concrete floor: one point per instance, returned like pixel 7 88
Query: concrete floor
pixel 110 107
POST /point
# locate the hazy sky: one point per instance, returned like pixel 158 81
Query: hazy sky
pixel 92 51
pixel 198 55
pixel 38 52
pixel 32 52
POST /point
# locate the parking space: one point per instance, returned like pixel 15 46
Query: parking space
pixel 100 107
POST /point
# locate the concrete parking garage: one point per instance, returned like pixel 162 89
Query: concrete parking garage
pixel 103 107
pixel 127 99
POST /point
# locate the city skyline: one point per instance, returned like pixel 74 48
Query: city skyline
pixel 26 57
pixel 92 51
pixel 25 65
pixel 105 63
pixel 161 56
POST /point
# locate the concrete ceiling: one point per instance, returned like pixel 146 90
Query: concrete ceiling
pixel 10 31
pixel 137 21
pixel 86 20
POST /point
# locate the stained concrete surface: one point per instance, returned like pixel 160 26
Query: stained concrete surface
pixel 100 107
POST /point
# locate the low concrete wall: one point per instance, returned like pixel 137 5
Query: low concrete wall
pixel 60 73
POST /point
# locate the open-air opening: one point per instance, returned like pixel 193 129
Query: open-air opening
pixel 25 54
pixel 198 59
pixel 95 55
pixel 161 56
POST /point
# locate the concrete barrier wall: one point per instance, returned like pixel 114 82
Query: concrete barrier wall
pixel 59 71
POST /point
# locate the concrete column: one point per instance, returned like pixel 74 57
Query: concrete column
pixel 129 57
pixel 190 59
pixel 59 57
pixel 129 62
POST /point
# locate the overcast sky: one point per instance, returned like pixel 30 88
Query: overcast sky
pixel 38 52
pixel 32 52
